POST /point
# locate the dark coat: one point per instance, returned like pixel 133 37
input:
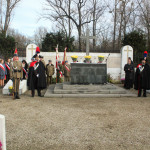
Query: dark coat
pixel 32 78
pixel 142 78
pixel 41 71
pixel 129 76
pixel 36 76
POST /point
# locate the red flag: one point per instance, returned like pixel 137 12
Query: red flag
pixel 57 56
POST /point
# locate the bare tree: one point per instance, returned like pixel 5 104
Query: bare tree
pixel 144 17
pixel 40 33
pixel 98 11
pixel 77 11
pixel 9 7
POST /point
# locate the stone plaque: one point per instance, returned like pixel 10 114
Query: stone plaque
pixel 82 73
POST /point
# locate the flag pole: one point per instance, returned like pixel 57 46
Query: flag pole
pixel 56 61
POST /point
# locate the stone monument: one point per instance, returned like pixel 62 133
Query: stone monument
pixel 126 51
pixel 30 51
pixel 88 73
pixel 2 132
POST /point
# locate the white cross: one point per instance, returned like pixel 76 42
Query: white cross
pixel 87 38
pixel 128 52
pixel 32 49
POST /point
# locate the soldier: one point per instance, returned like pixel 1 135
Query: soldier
pixel 142 78
pixel 16 74
pixel 66 71
pixel 59 71
pixel 36 76
pixel 50 72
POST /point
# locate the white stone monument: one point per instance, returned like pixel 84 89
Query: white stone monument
pixel 2 132
pixel 30 51
pixel 22 88
pixel 126 51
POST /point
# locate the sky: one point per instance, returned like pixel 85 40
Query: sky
pixel 26 15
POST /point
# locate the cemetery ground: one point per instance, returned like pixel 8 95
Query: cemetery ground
pixel 76 123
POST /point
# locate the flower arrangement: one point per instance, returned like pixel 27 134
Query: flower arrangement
pixel 10 90
pixel 87 58
pixel 74 58
pixel 101 58
pixel 0 145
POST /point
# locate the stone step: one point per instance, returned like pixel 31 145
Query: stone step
pixel 91 91
pixel 56 91
pixel 89 95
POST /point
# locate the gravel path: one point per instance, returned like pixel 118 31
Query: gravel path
pixel 76 124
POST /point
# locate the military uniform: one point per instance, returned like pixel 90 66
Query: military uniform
pixel 59 71
pixel 16 73
pixel 50 70
pixel 66 71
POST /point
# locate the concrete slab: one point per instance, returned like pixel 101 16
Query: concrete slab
pixel 22 89
pixel 67 90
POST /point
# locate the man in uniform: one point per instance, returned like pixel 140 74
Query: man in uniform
pixel 66 71
pixel 142 78
pixel 16 74
pixel 59 71
pixel 36 76
pixel 50 70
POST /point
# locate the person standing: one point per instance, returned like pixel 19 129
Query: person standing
pixel 50 70
pixel 129 74
pixel 42 60
pixel 59 72
pixel 142 78
pixel 3 73
pixel 7 64
pixel 16 74
pixel 66 71
pixel 25 69
pixel 36 76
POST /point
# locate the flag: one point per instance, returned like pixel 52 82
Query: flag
pixel 57 57
pixel 65 57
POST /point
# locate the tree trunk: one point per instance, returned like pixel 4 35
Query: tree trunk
pixel 115 19
pixel 94 24
pixel 80 26
pixel 69 25
pixel 7 18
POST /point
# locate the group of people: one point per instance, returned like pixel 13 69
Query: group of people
pixel 139 78
pixel 4 72
pixel 37 73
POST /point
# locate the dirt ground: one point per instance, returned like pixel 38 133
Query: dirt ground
pixel 76 124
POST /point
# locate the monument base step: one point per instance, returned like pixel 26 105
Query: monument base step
pixel 66 90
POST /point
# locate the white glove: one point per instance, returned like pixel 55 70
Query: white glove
pixel 37 75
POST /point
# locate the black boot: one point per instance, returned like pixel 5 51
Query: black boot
pixel 14 96
pixel 17 96
pixel 39 93
pixel 139 93
pixel 144 93
pixel 33 93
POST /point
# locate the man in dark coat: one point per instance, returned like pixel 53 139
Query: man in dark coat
pixel 129 74
pixel 25 69
pixel 36 76
pixel 142 78
pixel 8 70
